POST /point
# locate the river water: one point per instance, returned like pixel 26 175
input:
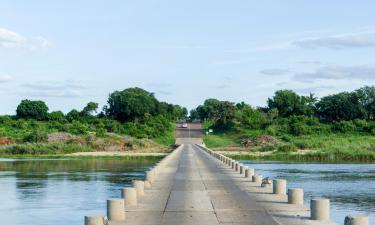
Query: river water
pixel 350 187
pixel 61 192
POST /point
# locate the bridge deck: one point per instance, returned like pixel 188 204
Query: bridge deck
pixel 197 189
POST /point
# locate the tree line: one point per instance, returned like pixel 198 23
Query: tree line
pixel 344 108
pixel 132 111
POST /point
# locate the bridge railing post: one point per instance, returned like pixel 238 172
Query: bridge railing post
pixel 320 209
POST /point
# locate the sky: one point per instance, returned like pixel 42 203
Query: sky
pixel 68 53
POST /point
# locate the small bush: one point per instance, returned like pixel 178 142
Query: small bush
pixel 286 138
pixel 343 126
pixel 100 132
pixel 268 148
pixel 287 148
pixel 35 137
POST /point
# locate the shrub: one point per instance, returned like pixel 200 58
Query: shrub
pixel 77 128
pixel 56 116
pixel 272 130
pixel 268 148
pixel 343 126
pixel 362 125
pixel 299 129
pixel 286 138
pixel 100 132
pixel 287 148
pixel 36 136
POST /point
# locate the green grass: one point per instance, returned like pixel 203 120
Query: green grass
pixel 167 139
pixel 333 147
pixel 219 140
pixel 43 149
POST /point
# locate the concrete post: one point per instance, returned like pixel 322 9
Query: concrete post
pixel 149 177
pixel 116 209
pixel 356 220
pixel 320 209
pixel 232 164
pixel 295 196
pixel 139 186
pixel 279 186
pixel 241 169
pixel 249 172
pixel 94 220
pixel 147 184
pixel 237 167
pixel 130 196
pixel 257 178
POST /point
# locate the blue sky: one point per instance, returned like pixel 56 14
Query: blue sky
pixel 68 53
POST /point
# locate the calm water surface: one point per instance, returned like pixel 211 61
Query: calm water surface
pixel 350 187
pixel 60 192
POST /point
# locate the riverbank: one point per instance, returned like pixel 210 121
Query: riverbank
pixel 330 147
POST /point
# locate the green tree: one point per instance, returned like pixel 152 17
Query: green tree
pixel 366 97
pixel 90 108
pixel 73 115
pixel 131 104
pixel 29 109
pixel 56 116
pixel 225 115
pixel 341 106
pixel 288 103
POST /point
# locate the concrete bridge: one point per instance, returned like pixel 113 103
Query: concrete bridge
pixel 196 186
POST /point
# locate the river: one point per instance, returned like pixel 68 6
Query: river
pixel 350 187
pixel 60 192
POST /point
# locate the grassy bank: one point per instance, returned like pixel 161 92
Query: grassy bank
pixel 328 147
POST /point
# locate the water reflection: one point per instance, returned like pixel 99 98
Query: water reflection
pixel 351 187
pixel 62 191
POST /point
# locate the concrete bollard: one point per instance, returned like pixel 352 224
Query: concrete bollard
pixel 147 184
pixel 116 209
pixel 149 177
pixel 139 186
pixel 257 178
pixel 320 209
pixel 233 164
pixel 94 220
pixel 130 196
pixel 295 196
pixel 279 186
pixel 356 220
pixel 241 169
pixel 249 172
pixel 236 167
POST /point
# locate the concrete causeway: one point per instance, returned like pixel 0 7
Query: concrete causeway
pixel 194 185
pixel 196 189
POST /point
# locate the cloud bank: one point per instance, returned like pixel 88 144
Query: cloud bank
pixel 360 72
pixel 11 39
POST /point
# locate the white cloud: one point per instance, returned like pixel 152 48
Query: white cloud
pixel 61 89
pixel 275 71
pixel 5 78
pixel 40 43
pixel 360 72
pixel 355 40
pixel 11 39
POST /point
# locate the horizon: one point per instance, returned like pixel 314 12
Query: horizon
pixel 185 52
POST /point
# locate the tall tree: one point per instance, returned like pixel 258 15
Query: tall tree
pixel 90 108
pixel 131 104
pixel 288 103
pixel 341 106
pixel 29 109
